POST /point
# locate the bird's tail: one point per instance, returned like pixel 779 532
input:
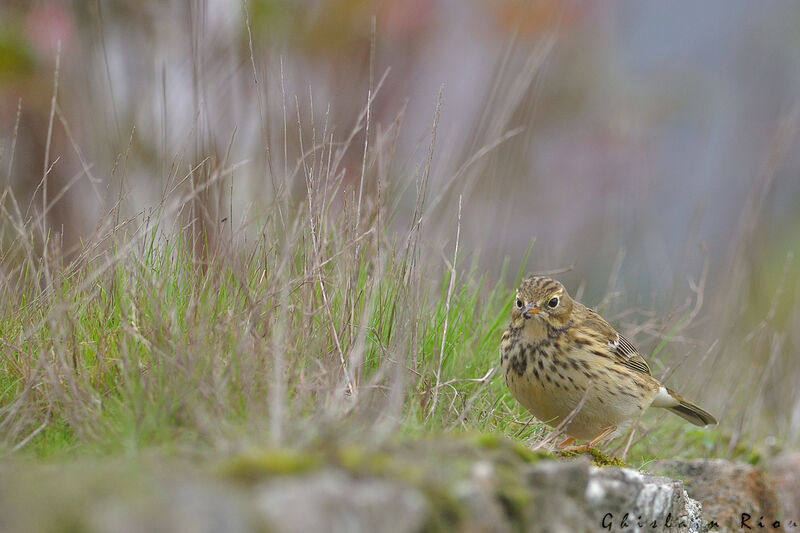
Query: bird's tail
pixel 689 411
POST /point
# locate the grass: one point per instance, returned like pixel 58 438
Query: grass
pixel 304 325
pixel 324 312
pixel 275 343
pixel 316 319
pixel 156 351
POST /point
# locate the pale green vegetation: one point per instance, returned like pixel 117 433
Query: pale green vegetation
pixel 322 330
pixel 295 286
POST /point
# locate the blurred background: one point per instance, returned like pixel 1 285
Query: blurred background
pixel 650 147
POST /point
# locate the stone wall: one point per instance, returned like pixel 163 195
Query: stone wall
pixel 466 485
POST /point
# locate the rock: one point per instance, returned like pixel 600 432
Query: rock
pixel 650 503
pixel 182 508
pixel 558 496
pixel 483 508
pixel 784 472
pixel 574 496
pixel 437 486
pixel 728 491
pixel 334 501
pixel 549 496
pixel 109 498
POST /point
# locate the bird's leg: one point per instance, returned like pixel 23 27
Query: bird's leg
pixel 566 441
pixel 605 433
pixel 583 447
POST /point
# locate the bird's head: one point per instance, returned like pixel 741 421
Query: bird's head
pixel 538 299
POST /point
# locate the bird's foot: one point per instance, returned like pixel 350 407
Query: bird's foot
pixel 585 447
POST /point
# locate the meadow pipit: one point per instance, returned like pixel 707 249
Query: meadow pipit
pixel 557 355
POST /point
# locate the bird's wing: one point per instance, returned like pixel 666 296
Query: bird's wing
pixel 619 348
pixel 630 356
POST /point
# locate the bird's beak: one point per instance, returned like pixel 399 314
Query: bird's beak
pixel 530 310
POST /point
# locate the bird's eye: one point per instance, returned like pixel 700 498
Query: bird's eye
pixel 519 303
pixel 552 303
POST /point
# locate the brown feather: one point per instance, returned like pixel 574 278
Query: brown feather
pixel 558 357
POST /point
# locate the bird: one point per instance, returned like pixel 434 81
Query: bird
pixel 572 370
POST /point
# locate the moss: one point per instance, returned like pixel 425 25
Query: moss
pixel 352 458
pixel 382 463
pixel 512 493
pixel 598 457
pixel 531 456
pixel 252 467
pixel 429 466
pixel 446 510
pixel 437 467
pixel 492 441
